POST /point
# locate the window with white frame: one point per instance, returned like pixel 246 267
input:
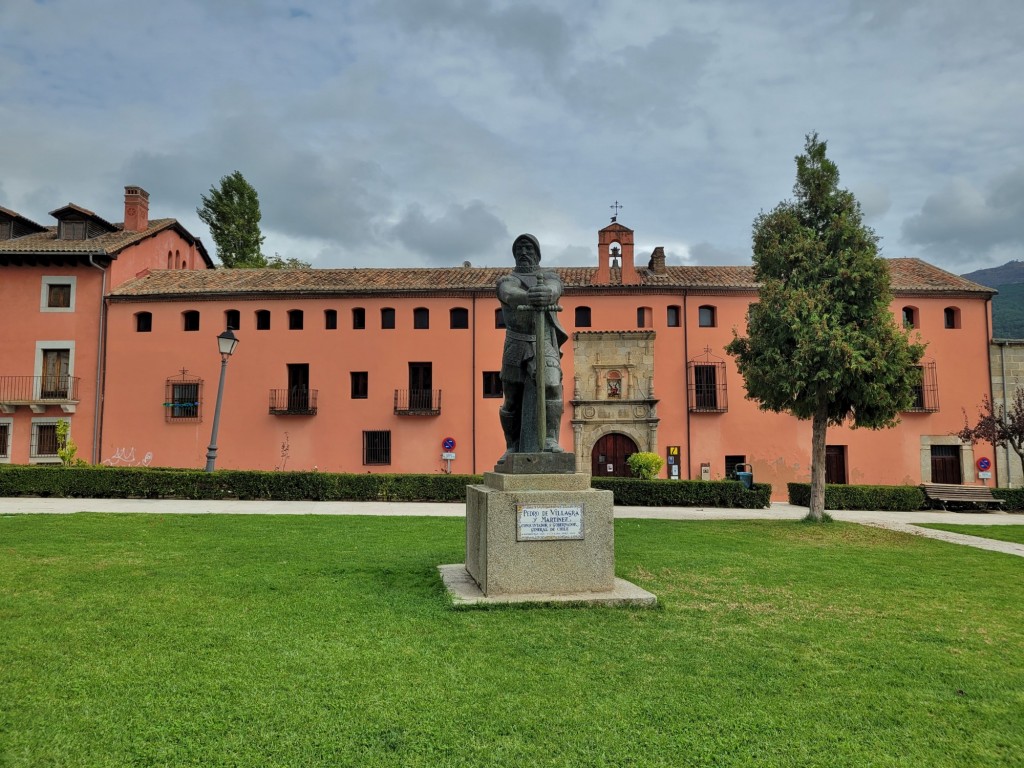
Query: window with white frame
pixel 44 443
pixel 58 294
pixel 55 370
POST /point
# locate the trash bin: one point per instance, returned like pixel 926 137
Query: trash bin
pixel 747 477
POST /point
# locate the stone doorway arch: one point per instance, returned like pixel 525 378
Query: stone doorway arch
pixel 608 458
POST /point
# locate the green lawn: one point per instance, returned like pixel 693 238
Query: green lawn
pixel 328 641
pixel 1014 533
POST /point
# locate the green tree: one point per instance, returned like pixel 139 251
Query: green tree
pixel 999 426
pixel 66 448
pixel 232 212
pixel 277 262
pixel 821 341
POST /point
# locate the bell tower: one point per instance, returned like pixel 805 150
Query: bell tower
pixel 615 256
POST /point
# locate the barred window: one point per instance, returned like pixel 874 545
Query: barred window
pixel 926 391
pixel 44 441
pixel 183 398
pixel 706 384
pixel 377 447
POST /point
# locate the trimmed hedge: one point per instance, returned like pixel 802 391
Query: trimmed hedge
pixel 885 498
pixel 101 482
pixel 631 492
pixel 166 483
pixel 1014 497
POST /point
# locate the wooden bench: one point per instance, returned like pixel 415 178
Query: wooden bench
pixel 961 495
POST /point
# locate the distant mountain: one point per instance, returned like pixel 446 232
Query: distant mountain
pixel 1011 272
pixel 1008 305
pixel 1008 312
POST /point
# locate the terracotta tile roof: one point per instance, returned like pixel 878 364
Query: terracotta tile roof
pixel 8 213
pixel 109 244
pixel 914 276
pixel 908 275
pixel 61 212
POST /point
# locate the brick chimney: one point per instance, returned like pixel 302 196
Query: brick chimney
pixel 136 209
pixel 657 262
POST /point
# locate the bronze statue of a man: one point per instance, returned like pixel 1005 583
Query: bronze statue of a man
pixel 527 295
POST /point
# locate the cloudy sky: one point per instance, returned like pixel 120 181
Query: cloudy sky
pixel 430 132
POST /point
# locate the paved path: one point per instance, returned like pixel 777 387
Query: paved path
pixel 896 521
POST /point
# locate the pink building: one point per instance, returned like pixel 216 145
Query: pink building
pixel 370 370
pixel 53 286
pixel 365 370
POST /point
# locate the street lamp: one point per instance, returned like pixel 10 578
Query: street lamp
pixel 226 343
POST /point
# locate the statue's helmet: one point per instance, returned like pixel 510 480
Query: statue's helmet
pixel 530 239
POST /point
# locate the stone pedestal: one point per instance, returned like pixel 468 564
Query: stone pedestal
pixel 502 561
pixel 539 538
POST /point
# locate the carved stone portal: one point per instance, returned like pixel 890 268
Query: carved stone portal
pixel 613 390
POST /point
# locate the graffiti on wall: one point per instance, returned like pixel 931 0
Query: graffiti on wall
pixel 125 457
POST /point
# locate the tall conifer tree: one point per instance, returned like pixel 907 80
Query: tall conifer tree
pixel 821 341
pixel 232 212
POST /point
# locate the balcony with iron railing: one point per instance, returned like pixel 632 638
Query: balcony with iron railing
pixel 417 402
pixel 297 401
pixel 38 392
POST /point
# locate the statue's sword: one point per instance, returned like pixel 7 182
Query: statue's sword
pixel 540 331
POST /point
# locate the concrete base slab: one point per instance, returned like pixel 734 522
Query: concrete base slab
pixel 465 593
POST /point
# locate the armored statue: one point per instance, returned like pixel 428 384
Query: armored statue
pixel 531 371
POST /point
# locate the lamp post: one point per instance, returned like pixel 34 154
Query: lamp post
pixel 226 343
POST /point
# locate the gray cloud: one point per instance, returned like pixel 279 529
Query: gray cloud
pixel 706 254
pixel 352 119
pixel 461 232
pixel 963 222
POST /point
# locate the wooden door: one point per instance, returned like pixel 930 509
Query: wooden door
pixel 298 387
pixel 420 384
pixel 946 464
pixel 608 459
pixel 56 366
pixel 835 464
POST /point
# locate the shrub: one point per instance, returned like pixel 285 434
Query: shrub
pixel 166 483
pixel 645 465
pixel 888 498
pixel 1014 497
pixel 632 492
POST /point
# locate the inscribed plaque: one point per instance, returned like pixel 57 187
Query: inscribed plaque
pixel 548 523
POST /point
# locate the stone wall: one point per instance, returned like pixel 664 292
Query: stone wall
pixel 1007 358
